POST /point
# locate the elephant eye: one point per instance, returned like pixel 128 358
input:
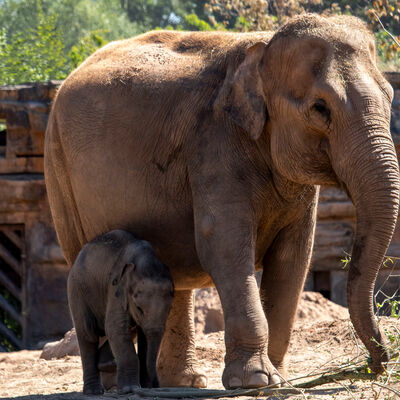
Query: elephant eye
pixel 321 108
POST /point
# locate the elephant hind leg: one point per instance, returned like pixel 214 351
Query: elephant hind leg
pixel 88 340
pixel 60 194
pixel 106 361
pixel 177 363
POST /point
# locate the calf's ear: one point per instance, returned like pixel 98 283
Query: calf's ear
pixel 121 290
pixel 244 98
pixel 121 293
pixel 120 273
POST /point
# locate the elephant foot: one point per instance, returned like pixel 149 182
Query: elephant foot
pixel 250 371
pixel 189 376
pixel 125 389
pixel 93 390
pixel 281 367
pixel 108 379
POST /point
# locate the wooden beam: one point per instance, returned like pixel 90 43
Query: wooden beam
pixel 9 285
pixel 9 309
pixel 10 260
pixel 9 335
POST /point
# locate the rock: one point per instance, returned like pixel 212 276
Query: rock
pixel 68 346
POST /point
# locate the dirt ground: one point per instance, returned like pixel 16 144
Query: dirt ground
pixel 322 339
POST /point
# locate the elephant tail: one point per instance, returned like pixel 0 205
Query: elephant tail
pixel 60 194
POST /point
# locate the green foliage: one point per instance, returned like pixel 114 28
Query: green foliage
pixel 46 39
pixel 193 23
pixel 346 260
pixel 10 323
pixel 165 14
pixel 43 39
pixel 392 305
pixel 85 47
pixel 76 19
pixel 34 54
pixel 388 52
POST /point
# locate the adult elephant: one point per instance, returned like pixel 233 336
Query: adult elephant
pixel 211 146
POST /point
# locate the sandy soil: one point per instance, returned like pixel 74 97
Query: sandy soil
pixel 321 342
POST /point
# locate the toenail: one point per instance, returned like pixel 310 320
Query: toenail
pixel 258 380
pixel 200 382
pixel 235 382
pixel 275 380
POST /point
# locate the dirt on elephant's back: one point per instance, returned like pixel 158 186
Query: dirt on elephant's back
pixel 317 344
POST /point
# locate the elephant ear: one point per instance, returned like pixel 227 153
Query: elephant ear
pixel 121 290
pixel 120 273
pixel 245 99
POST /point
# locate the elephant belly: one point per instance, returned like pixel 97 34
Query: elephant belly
pixel 139 198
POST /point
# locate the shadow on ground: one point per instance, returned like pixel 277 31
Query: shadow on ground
pixel 80 396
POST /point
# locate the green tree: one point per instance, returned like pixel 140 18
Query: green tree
pixel 35 54
pixel 162 13
pixel 43 39
pixel 75 19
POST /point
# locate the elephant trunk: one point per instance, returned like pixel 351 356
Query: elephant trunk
pixel 372 180
pixel 153 345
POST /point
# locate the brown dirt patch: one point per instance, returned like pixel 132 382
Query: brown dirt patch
pixel 316 343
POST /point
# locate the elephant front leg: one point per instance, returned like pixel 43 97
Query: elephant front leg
pixel 120 337
pixel 177 363
pixel 285 268
pixel 225 246
pixel 88 344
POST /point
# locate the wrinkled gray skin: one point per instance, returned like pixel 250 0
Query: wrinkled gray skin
pixel 116 284
pixel 211 146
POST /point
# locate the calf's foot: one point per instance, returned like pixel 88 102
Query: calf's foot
pixel 109 379
pixel 127 388
pixel 93 389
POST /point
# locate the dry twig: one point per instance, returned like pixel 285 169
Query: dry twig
pixel 386 31
pixel 309 387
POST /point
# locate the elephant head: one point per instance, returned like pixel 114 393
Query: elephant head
pixel 146 292
pixel 314 101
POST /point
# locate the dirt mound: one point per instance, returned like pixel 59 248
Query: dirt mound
pixel 313 306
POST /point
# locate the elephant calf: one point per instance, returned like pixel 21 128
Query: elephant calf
pixel 118 283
